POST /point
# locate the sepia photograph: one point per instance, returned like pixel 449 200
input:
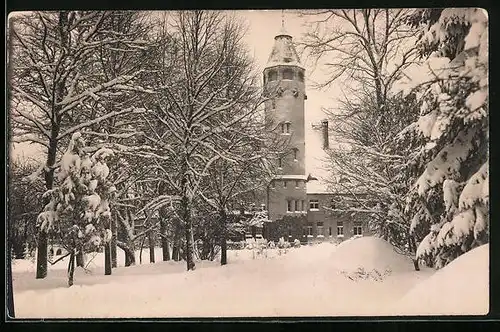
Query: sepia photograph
pixel 284 163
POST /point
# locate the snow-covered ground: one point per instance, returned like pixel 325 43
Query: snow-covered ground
pixel 363 276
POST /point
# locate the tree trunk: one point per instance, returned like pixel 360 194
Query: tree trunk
pixel 164 240
pixel 142 247
pixel 129 251
pixel 413 250
pixel 71 268
pixel 107 259
pixel 176 247
pixel 223 242
pixel 80 259
pixel 114 230
pixel 41 256
pixel 186 215
pixel 151 243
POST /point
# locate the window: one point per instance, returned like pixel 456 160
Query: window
pixel 289 206
pixel 289 231
pixel 329 231
pixel 332 204
pixel 358 229
pixel 272 75
pixel 295 154
pixel 340 228
pixel 319 228
pixel 309 229
pixel 284 184
pixel 297 185
pixel 285 128
pixel 272 185
pixel 280 165
pixel 313 204
pixel 287 74
pixel 301 76
pixel 303 205
pixel 297 208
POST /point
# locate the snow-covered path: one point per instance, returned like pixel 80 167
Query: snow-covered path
pixel 308 281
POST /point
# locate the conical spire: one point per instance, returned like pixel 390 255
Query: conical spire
pixel 283 52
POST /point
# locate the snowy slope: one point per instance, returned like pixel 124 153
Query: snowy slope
pixel 460 288
pixel 320 280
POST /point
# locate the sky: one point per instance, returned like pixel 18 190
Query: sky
pixel 263 25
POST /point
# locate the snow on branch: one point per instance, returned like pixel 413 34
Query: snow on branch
pixel 447 162
pixel 99 119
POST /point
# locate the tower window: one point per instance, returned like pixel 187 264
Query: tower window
pixel 285 128
pixel 314 204
pixel 272 75
pixel 297 185
pixel 287 74
pixel 301 76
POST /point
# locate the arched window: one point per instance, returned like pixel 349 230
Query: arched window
pixel 287 74
pixel 272 75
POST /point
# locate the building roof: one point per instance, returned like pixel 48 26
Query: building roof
pixel 283 52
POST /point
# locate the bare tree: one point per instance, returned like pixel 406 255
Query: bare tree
pixel 367 47
pixel 53 82
pixel 204 96
pixel 367 50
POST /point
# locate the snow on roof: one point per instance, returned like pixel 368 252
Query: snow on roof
pixel 283 52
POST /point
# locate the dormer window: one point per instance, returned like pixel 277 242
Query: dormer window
pixel 285 127
pixel 287 74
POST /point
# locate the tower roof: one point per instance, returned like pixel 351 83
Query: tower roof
pixel 283 52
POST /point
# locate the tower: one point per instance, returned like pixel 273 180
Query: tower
pixel 285 87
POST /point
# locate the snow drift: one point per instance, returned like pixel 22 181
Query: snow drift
pixel 460 288
pixel 368 258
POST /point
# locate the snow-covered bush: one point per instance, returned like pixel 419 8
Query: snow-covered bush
pixel 450 195
pixel 78 213
pixel 296 243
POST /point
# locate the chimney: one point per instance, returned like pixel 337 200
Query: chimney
pixel 324 129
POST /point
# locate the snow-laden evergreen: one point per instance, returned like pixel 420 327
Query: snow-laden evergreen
pixel 450 195
pixel 78 213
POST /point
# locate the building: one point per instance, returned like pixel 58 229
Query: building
pixel 299 205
